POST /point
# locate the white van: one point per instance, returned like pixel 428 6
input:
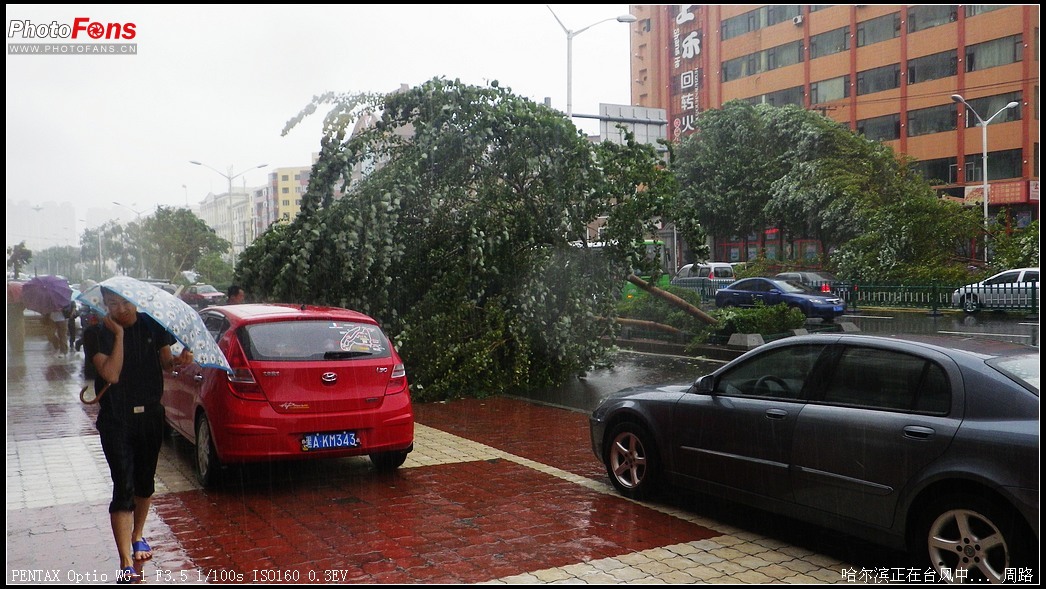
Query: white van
pixel 706 278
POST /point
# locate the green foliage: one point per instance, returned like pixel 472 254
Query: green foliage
pixel 176 240
pixel 759 319
pixel 912 238
pixel 650 308
pixel 458 236
pixel 17 257
pixel 1018 248
pixel 750 167
pixel 214 270
pixel 62 260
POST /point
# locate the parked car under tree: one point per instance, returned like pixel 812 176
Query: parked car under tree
pixel 307 383
pixel 770 291
pixel 925 444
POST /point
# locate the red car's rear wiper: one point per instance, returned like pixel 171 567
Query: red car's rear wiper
pixel 341 355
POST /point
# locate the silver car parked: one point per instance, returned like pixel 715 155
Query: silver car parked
pixel 924 444
pixel 1011 289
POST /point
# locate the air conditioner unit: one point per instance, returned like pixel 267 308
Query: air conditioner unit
pixel 797 20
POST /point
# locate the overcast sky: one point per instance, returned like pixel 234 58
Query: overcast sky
pixel 217 84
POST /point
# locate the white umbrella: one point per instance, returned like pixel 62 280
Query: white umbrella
pixel 177 317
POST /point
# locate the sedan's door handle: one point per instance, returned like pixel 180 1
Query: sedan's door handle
pixel 918 432
pixel 776 414
pixel 198 377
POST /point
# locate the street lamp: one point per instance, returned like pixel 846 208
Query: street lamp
pixel 984 157
pixel 230 177
pixel 625 18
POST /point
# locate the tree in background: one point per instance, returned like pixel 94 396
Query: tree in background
pixel 752 167
pixel 214 270
pixel 1016 248
pixel 461 235
pixel 177 240
pixel 18 256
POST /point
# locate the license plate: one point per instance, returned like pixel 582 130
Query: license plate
pixel 329 441
pixel 837 309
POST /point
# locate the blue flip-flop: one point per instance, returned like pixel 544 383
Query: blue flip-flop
pixel 129 576
pixel 141 546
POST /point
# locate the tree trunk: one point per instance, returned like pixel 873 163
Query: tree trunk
pixel 672 299
pixel 649 325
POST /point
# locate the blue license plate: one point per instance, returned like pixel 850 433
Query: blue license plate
pixel 837 309
pixel 329 441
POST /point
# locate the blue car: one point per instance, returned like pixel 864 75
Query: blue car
pixel 771 291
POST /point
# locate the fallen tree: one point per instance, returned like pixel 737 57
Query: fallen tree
pixel 672 299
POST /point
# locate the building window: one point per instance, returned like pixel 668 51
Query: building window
pixel 829 90
pixel 286 203
pixel 933 67
pixel 284 177
pixel 989 105
pixel 831 42
pixel 975 9
pixel 938 171
pixel 1001 165
pixel 994 53
pixel 780 98
pixel 885 128
pixel 881 78
pixel 925 17
pixel 754 20
pixel 762 61
pixel 879 29
pixel 285 190
pixel 936 119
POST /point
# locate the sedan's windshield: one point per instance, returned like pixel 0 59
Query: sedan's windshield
pixel 206 289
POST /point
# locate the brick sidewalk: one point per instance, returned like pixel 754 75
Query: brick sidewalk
pixel 496 491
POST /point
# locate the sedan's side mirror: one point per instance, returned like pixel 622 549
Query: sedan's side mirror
pixel 704 385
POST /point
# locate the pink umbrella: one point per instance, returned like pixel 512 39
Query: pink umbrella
pixel 46 294
pixel 14 292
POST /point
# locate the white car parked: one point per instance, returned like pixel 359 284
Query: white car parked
pixel 1011 289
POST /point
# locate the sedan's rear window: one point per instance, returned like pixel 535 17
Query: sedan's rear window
pixel 1023 369
pixel 291 341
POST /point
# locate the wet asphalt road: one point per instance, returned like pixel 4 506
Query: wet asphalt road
pixel 641 369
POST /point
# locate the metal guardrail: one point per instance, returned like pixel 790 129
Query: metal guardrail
pixel 1022 296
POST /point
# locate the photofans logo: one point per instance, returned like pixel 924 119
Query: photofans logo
pixel 82 37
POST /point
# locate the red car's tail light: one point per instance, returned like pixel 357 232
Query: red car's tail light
pixel 241 381
pixel 398 380
pixel 824 288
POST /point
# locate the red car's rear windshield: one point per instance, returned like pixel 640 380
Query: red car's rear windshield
pixel 292 341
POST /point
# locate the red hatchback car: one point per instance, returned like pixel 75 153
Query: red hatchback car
pixel 307 382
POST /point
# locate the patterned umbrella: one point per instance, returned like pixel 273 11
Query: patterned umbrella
pixel 46 294
pixel 177 317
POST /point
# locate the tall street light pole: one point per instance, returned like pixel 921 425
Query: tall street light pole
pixel 230 177
pixel 625 18
pixel 984 157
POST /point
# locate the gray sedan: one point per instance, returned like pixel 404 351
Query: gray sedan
pixel 924 444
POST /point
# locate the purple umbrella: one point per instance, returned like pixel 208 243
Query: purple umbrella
pixel 46 294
